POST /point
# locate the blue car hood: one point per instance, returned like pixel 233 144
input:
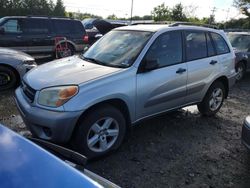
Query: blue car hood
pixel 24 164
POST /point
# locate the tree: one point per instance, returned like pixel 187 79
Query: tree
pixel 112 17
pixel 161 13
pixel 59 9
pixel 178 14
pixel 244 6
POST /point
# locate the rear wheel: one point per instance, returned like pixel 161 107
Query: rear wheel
pixel 66 52
pixel 99 132
pixel 8 78
pixel 213 100
pixel 241 69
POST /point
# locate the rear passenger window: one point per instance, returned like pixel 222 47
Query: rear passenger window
pixel 36 26
pixel 220 44
pixel 210 47
pixel 196 47
pixel 63 26
pixel 166 50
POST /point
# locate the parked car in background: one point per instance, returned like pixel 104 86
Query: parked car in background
pixel 25 164
pixel 241 44
pixel 37 35
pixel 130 74
pixel 13 66
pixel 246 133
pixel 96 28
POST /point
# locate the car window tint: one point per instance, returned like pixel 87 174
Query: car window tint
pixel 210 48
pixel 220 44
pixel 166 50
pixel 196 47
pixel 13 26
pixel 36 26
pixel 63 26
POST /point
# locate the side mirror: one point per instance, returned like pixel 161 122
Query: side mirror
pixel 2 30
pixel 98 36
pixel 151 65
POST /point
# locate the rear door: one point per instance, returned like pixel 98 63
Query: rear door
pixel 38 33
pixel 13 36
pixel 164 87
pixel 202 64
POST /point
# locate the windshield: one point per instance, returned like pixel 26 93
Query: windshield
pixel 118 48
pixel 1 20
pixel 240 42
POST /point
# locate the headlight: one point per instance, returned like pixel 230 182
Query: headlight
pixel 29 62
pixel 56 96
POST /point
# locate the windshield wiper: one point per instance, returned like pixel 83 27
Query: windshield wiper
pixel 93 60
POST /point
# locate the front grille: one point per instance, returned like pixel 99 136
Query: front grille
pixel 28 91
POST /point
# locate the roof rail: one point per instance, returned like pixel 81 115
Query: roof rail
pixel 45 16
pixel 194 24
pixel 237 30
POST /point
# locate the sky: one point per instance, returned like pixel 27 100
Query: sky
pixel 121 8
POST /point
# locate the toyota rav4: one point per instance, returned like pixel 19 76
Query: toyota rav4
pixel 130 74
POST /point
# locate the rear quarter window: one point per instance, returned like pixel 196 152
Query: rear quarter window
pixel 220 44
pixel 68 27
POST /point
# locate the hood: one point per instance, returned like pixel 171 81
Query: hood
pixel 10 53
pixel 67 71
pixel 103 26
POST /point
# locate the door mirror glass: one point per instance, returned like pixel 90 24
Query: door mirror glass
pixel 2 30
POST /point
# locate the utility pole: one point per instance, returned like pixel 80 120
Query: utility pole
pixel 212 15
pixel 131 16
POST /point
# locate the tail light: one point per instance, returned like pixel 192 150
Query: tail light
pixel 85 38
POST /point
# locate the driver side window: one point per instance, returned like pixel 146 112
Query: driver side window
pixel 13 26
pixel 166 49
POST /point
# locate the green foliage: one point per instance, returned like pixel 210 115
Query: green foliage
pixel 31 7
pixel 161 13
pixel 244 6
pixel 177 13
pixel 112 17
pixel 59 9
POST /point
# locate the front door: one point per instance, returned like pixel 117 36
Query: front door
pixel 164 87
pixel 13 36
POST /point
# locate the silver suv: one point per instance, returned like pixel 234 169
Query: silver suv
pixel 130 74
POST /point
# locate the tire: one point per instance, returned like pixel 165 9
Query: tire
pixel 67 53
pixel 207 107
pixel 241 70
pixel 87 137
pixel 8 78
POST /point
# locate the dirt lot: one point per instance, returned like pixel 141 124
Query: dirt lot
pixel 181 149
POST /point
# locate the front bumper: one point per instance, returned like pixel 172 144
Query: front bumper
pixel 45 124
pixel 245 137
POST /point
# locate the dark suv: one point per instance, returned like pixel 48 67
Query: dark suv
pixel 42 35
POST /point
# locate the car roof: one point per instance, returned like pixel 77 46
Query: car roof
pixel 23 163
pixel 41 17
pixel 159 27
pixel 239 33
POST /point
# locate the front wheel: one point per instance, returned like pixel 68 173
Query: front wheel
pixel 8 78
pixel 213 100
pixel 99 132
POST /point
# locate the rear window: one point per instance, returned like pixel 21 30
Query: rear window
pixel 68 26
pixel 220 44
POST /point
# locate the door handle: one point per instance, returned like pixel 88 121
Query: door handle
pixel 213 62
pixel 18 37
pixel 181 70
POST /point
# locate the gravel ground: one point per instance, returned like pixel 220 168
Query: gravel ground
pixel 180 149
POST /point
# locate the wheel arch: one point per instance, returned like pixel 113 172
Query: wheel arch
pixel 225 82
pixel 14 70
